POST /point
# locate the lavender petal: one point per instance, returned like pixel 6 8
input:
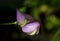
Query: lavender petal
pixel 30 27
pixel 20 17
pixel 28 17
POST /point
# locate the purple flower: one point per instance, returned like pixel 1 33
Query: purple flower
pixel 31 28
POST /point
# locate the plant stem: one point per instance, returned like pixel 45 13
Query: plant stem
pixel 9 23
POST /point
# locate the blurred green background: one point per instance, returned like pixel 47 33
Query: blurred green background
pixel 47 12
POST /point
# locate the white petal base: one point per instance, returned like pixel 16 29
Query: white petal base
pixel 34 32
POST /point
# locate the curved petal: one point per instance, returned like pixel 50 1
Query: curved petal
pixel 30 27
pixel 34 32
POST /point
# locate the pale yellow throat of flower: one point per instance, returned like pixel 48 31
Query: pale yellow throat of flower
pixel 24 23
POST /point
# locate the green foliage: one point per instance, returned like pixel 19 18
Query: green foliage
pixel 23 9
pixel 35 14
pixel 51 21
pixel 56 37
pixel 31 3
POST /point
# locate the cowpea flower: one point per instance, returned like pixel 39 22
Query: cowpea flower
pixel 27 23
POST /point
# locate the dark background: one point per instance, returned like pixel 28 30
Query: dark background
pixel 7 15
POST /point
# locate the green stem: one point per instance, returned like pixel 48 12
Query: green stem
pixel 9 23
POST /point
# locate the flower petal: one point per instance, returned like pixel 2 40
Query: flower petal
pixel 30 27
pixel 20 17
pixel 34 32
pixel 28 17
